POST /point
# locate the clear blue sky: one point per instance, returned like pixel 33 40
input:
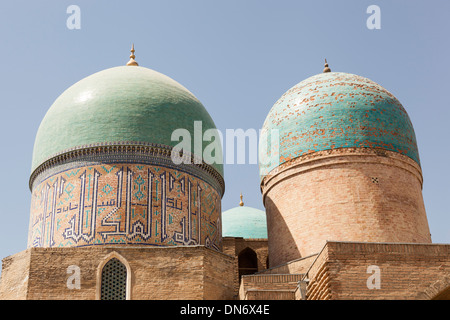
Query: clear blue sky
pixel 238 58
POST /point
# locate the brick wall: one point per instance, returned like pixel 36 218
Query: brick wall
pixel 233 246
pixel 297 266
pixel 319 281
pixel 156 273
pixel 14 276
pixel 345 270
pixel 219 278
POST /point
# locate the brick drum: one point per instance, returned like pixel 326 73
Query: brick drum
pixel 124 203
pixel 348 194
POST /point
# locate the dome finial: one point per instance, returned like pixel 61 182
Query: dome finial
pixel 241 203
pixel 132 62
pixel 326 69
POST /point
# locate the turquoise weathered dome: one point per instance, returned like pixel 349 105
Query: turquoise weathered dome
pixel 125 105
pixel 335 110
pixel 244 222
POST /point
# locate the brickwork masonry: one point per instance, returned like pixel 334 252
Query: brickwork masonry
pixel 155 273
pixel 349 194
pixel 401 271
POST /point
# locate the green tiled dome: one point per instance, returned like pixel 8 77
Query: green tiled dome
pixel 335 110
pixel 244 222
pixel 121 105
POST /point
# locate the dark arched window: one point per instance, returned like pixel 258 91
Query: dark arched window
pixel 247 262
pixel 114 281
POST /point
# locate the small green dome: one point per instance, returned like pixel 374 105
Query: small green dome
pixel 335 110
pixel 121 105
pixel 244 222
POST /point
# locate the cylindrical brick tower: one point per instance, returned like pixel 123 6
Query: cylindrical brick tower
pixel 102 171
pixel 344 166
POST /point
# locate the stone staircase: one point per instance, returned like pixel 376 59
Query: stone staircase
pixel 270 287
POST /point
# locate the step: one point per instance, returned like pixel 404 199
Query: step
pixel 270 295
pixel 271 281
pixel 272 286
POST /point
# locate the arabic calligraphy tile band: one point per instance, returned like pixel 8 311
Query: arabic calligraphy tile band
pixel 123 203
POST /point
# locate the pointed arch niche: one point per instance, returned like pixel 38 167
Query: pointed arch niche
pixel 247 262
pixel 113 278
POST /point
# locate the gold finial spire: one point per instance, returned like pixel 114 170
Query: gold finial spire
pixel 241 203
pixel 326 67
pixel 132 62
